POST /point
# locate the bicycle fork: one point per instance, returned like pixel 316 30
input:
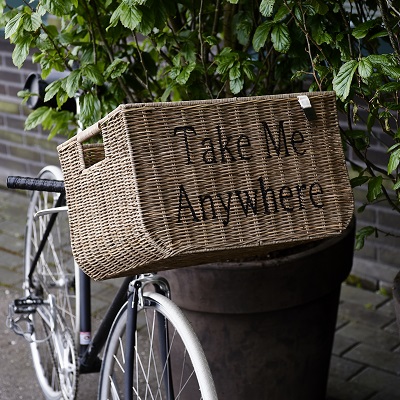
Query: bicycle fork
pixel 136 301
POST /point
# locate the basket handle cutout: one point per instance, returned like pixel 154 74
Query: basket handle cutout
pixel 91 147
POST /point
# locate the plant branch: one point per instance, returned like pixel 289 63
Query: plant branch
pixel 202 49
pixel 216 18
pixel 146 83
pixel 303 27
pixel 229 11
pixel 389 30
pixel 309 51
pixel 109 52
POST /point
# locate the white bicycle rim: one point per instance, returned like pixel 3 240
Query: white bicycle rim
pixel 52 268
pixel 176 317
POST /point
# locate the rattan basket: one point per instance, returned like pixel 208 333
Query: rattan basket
pixel 186 183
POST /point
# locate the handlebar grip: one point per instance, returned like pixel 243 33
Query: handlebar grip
pixel 43 185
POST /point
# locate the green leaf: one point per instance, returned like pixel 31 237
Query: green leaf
pixel 129 16
pixel 168 91
pixel 362 208
pixel 57 7
pixel 89 111
pixel 13 25
pixel 116 68
pixel 365 68
pixel 147 21
pixel 234 72
pixel 183 77
pixel 386 63
pixel 389 87
pixel 174 72
pixel 392 71
pixel 236 85
pixel 72 83
pixel 323 37
pixel 248 69
pixel 59 124
pixel 358 181
pixel 281 13
pixel 21 50
pixel 394 160
pixel 25 95
pixel 319 6
pixel 394 147
pixel 396 186
pixel 267 7
pixel 362 234
pixel 37 117
pixel 188 51
pixel 379 59
pixel 261 34
pixel 243 25
pixel 374 188
pixel 61 98
pixel 356 134
pixel 32 22
pixel 225 60
pixel 342 81
pixel 380 34
pixel 93 74
pixel 281 38
pixel 52 90
pixel 139 2
pixel 211 40
pixel 360 31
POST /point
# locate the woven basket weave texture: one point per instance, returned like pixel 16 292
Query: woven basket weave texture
pixel 178 184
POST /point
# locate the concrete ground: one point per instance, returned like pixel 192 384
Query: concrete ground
pixel 365 361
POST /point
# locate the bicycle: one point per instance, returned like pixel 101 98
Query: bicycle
pixel 145 336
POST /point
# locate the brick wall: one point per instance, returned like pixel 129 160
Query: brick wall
pixel 378 262
pixel 21 152
pixel 376 265
pixel 26 152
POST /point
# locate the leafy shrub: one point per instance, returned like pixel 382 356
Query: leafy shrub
pixel 148 50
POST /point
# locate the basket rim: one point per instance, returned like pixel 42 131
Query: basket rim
pixel 122 108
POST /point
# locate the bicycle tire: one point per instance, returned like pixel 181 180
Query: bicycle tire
pixel 194 377
pixel 54 274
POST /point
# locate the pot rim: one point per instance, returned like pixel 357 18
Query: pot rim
pixel 320 245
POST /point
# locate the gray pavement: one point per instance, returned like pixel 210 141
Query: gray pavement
pixel 365 361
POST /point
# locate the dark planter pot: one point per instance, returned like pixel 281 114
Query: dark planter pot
pixel 267 327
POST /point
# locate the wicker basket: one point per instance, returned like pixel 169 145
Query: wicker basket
pixel 186 183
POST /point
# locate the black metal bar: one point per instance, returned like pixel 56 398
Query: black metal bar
pixel 85 308
pixel 89 360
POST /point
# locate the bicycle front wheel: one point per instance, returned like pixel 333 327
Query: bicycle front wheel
pixel 158 349
pixel 53 274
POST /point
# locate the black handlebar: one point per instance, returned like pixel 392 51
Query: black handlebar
pixel 43 185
